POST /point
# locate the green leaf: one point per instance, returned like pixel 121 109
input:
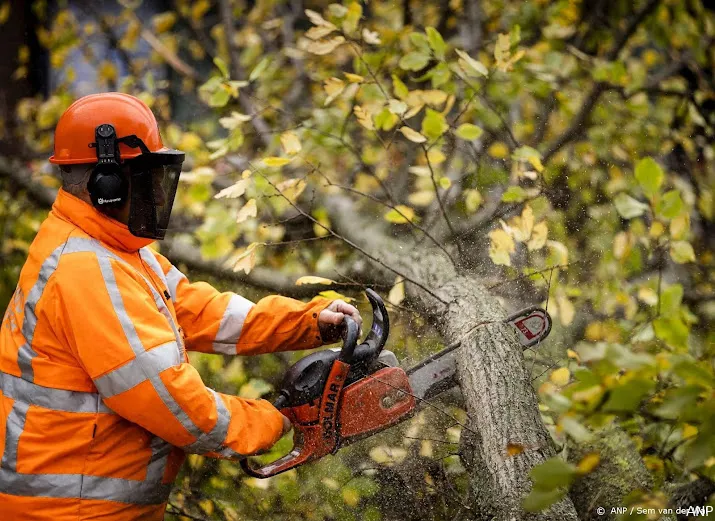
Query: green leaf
pixel 514 194
pixel 399 88
pixel 670 205
pixel 220 97
pixel 650 176
pixel 672 331
pixel 386 120
pixel 670 300
pixel 420 41
pixel 468 132
pixel 414 61
pixel 221 65
pixel 436 42
pixel 434 124
pixel 539 499
pixel 678 400
pixel 627 397
pixel 553 473
pixel 628 207
pixel 682 252
pixel 259 69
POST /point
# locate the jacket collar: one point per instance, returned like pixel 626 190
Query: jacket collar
pixel 97 225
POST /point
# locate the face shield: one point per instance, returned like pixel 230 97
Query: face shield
pixel 154 180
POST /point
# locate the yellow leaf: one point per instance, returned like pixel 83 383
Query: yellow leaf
pixel 522 226
pixel 412 135
pixel 388 455
pixel 435 156
pixel 472 200
pixel 470 65
pixel 538 236
pixel 313 280
pixel 648 295
pixel 498 150
pixel 233 191
pixel 432 97
pixel 276 161
pixel 421 197
pixel 682 252
pixel 363 117
pixel 354 78
pixel 400 214
pixel 501 246
pixel 561 253
pixel 334 295
pixel 246 259
pixel 4 12
pixel 689 431
pixel 513 449
pixel 560 376
pixel 333 87
pixel 199 9
pixel 246 174
pixel 164 21
pixel 588 463
pixel 397 293
pixel 573 355
pixel 248 210
pixel 679 226
pixel 292 188
pixel 566 309
pixel 445 182
pixel 207 506
pixel 351 497
pixel 324 47
pixel 290 142
pixel 107 71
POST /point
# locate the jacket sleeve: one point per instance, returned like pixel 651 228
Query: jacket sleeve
pixel 227 323
pixel 116 330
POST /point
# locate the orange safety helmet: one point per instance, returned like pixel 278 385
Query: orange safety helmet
pixel 128 115
pixel 113 131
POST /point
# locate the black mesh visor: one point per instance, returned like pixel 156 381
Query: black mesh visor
pixel 154 181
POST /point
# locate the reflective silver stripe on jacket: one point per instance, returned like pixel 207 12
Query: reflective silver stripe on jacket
pixel 231 325
pixel 151 491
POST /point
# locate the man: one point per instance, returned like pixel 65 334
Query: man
pixel 98 403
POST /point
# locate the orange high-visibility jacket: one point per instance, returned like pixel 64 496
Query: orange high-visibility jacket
pixel 98 402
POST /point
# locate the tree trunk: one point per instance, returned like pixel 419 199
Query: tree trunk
pixel 498 395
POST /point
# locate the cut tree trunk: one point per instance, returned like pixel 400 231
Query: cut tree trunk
pixel 498 395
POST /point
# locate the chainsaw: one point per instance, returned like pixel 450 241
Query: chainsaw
pixel 336 397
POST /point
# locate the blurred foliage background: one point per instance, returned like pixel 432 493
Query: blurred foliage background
pixel 562 151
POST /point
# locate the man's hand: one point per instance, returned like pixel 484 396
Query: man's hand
pixel 331 318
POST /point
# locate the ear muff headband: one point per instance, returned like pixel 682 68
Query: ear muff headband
pixel 107 187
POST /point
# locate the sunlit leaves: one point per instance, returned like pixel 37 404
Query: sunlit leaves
pixel 514 194
pixel 650 176
pixel 324 47
pixel 333 88
pixel 246 259
pixel 434 124
pixel 628 207
pixel 436 42
pixel 247 211
pixel 682 252
pixel 501 246
pixel 550 480
pixel 163 22
pixel 503 56
pixel 472 200
pixel 560 376
pixel 290 143
pixel 412 135
pixel 670 205
pixel 397 293
pixel 468 132
pixel 400 214
pixel 371 37
pixel 471 66
pixel 4 12
pixel 310 279
pixel 364 117
pixel 233 191
pixel 414 61
pixel 276 162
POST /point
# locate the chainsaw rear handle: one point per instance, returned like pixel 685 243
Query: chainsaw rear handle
pixel 309 442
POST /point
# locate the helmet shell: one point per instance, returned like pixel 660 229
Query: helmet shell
pixel 128 114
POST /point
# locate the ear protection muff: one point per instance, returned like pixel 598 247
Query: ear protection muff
pixel 107 186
